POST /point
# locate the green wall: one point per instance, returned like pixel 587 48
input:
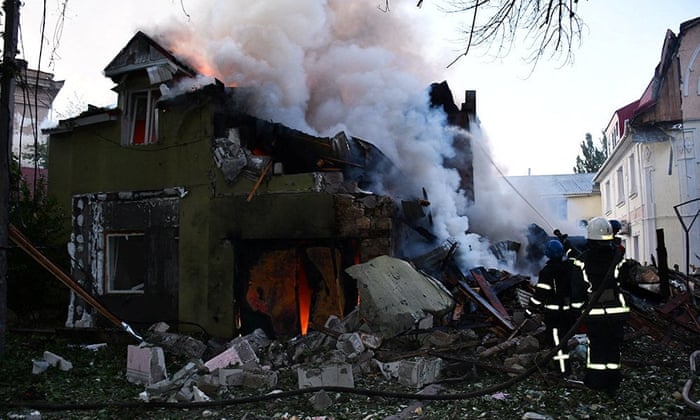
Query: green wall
pixel 213 214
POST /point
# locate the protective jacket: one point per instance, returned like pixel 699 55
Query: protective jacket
pixel 560 292
pixel 606 318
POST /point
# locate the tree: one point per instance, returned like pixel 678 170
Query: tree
pixel 591 157
pixel 548 27
pixel 34 296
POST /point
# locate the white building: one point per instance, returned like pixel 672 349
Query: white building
pixel 650 180
pixel 566 201
pixel 35 92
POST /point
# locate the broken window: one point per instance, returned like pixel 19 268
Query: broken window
pixel 126 267
pixel 142 126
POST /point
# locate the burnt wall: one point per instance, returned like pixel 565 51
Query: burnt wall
pixel 125 249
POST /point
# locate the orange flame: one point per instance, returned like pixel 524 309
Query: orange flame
pixel 185 48
pixel 303 297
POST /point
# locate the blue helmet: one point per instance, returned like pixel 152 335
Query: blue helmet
pixel 554 249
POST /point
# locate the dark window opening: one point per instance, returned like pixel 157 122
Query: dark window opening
pixel 126 265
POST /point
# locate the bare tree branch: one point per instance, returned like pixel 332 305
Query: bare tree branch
pixel 549 28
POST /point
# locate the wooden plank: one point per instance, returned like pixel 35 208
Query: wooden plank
pixel 259 181
pixel 490 295
pixel 466 289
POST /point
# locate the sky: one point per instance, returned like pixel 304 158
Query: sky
pixel 325 66
pixel 533 120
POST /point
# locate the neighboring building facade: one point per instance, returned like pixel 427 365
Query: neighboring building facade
pixel 653 164
pixel 35 92
pixel 566 200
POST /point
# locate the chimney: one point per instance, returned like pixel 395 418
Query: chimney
pixel 469 104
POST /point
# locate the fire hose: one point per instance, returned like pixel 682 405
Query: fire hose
pixel 24 244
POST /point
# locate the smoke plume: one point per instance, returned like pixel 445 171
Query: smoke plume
pixel 336 65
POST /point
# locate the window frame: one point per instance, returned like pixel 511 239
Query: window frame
pixel 608 199
pixel 148 98
pixel 109 268
pixel 620 178
pixel 632 175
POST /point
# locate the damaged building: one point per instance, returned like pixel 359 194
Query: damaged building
pixel 185 208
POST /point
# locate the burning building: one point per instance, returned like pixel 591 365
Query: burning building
pixel 188 208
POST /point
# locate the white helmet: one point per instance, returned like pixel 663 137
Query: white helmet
pixel 599 229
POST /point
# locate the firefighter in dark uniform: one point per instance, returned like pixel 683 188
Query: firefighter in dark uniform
pixel 560 293
pixel 608 315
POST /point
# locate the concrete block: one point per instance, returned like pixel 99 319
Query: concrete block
pixel 231 377
pixel 159 327
pixel 329 375
pixel 198 395
pixel 419 372
pixel 259 379
pixel 389 369
pixel 258 340
pixel 363 364
pixel 209 383
pixel 239 353
pixel 57 361
pixel 39 366
pixel 186 372
pixel 350 343
pixel 334 323
pixel 224 359
pixel 246 353
pixel 371 341
pixel 145 365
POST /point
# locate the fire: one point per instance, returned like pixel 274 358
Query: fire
pixel 303 297
pixel 186 48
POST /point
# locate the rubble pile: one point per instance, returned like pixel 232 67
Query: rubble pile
pixel 408 328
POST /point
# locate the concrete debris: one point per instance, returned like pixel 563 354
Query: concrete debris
pixel 394 296
pixel 240 352
pixel 350 344
pixel 414 373
pixel 50 360
pixel 93 347
pixel 400 308
pixel 25 415
pixel 39 366
pixel 339 375
pixel 177 344
pixel 145 365
pixel 229 156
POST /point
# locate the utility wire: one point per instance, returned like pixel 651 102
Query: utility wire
pixel 544 219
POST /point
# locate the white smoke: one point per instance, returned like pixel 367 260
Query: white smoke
pixel 338 65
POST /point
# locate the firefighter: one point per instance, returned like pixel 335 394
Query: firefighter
pixel 559 294
pixel 608 314
pixel 617 241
